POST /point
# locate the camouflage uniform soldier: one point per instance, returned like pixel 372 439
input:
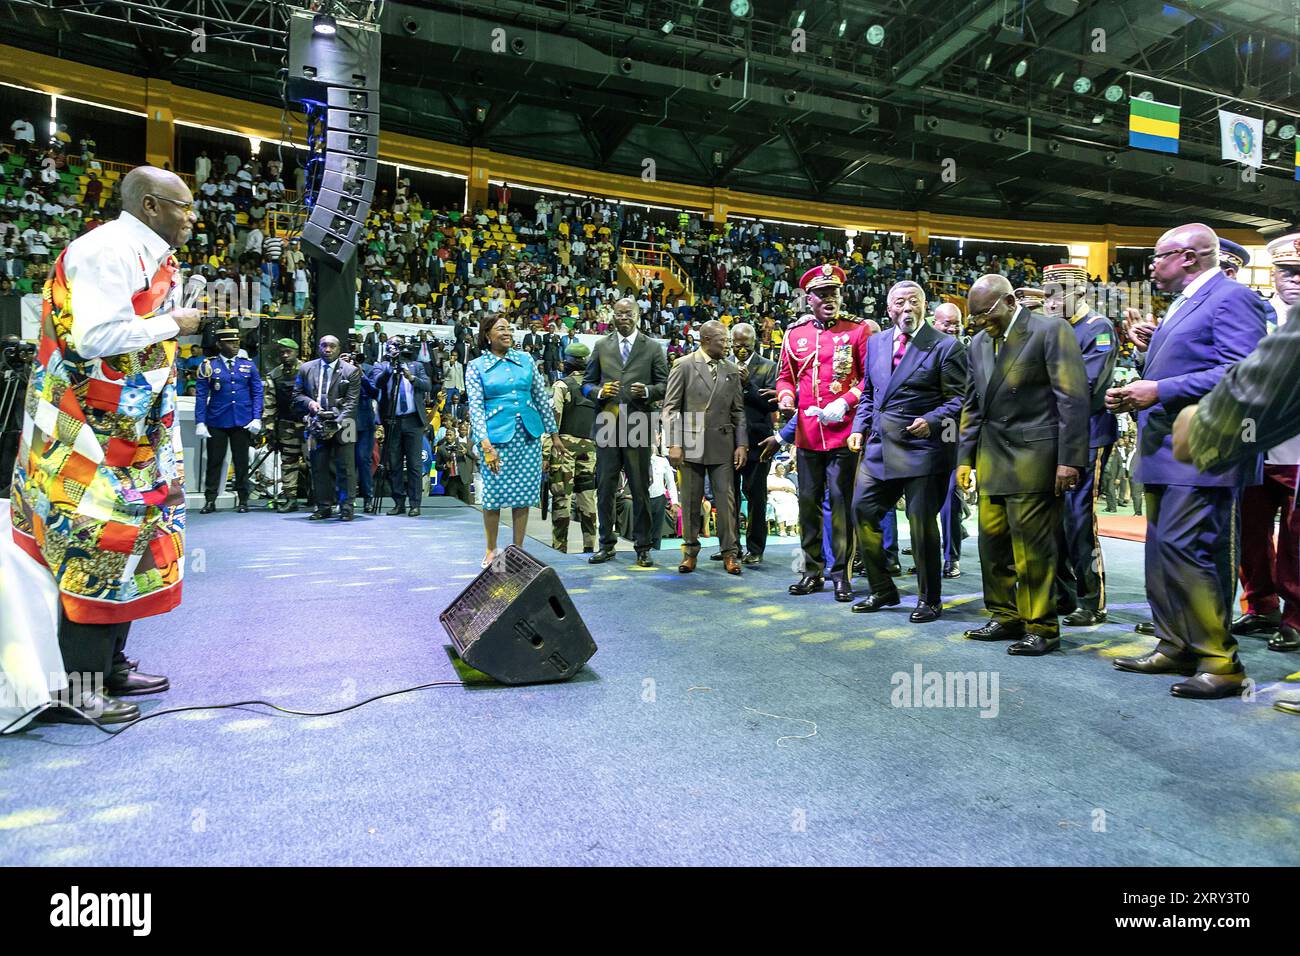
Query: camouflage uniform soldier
pixel 573 471
pixel 286 433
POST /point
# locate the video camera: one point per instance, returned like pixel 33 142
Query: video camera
pixel 17 355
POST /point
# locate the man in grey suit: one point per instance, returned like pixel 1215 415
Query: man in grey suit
pixel 704 422
pixel 1024 431
pixel 626 374
pixel 906 426
pixel 332 386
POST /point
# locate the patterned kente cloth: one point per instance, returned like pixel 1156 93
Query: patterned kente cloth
pixel 98 491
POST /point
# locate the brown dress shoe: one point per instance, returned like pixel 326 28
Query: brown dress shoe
pixel 731 564
pixel 687 565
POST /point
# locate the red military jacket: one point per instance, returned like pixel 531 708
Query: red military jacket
pixel 818 366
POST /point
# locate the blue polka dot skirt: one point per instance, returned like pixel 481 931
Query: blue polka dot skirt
pixel 519 482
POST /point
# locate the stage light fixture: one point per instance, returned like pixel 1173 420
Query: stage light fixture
pixel 789 96
pixel 932 123
pixel 325 25
pixel 1112 159
pixel 1220 179
pixel 715 82
pixel 1053 146
pixel 1113 93
pixel 1270 127
pixel 1287 131
pixel 798 20
pixel 1146 95
pixel 999 135
pixel 1021 68
pixel 667 27
pixel 875 34
pixel 636 9
pixel 740 8
pixel 1098 119
pixel 842 28
pixel 1056 80
pixel 625 65
pixel 1082 85
pixel 988 60
pixel 519 46
pixel 1167 169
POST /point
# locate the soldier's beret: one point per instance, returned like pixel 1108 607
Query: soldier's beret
pixel 577 350
pixel 287 343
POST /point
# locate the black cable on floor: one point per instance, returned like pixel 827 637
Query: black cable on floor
pixel 244 703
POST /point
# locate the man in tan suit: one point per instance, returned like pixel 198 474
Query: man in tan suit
pixel 704 422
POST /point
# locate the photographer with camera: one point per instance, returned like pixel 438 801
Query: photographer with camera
pixel 228 412
pixel 286 425
pixel 15 371
pixel 403 385
pixel 326 393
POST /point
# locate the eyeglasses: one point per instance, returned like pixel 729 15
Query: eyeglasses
pixel 1160 255
pixel 184 206
pixel 974 315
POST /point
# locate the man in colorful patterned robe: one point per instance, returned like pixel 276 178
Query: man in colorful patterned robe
pixel 98 491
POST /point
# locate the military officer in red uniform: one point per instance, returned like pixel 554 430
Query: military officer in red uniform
pixel 819 379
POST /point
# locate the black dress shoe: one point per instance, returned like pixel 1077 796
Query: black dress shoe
pixel 208 508
pixel 1084 618
pixel 287 507
pixel 925 613
pixel 716 556
pixel 1288 705
pixel 874 602
pixel 643 560
pixel 843 590
pixel 752 558
pixel 808 584
pixel 1145 627
pixel 907 550
pixel 911 569
pixel 1253 623
pixel 894 569
pixel 96 704
pixel 345 514
pixel 399 508
pixel 413 512
pixel 952 570
pixel 125 681
pixel 1210 686
pixel 994 630
pixel 1156 663
pixel 321 515
pixel 588 550
pixel 601 556
pixel 1065 610
pixel 1286 639
pixel 242 508
pixel 1035 645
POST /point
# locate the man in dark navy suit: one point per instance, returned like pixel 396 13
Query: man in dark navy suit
pixel 1192 531
pixel 948 320
pixel 914 378
pixel 1081 573
pixel 1024 430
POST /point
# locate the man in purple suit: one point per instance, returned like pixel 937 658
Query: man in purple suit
pixel 1192 534
pixel 906 424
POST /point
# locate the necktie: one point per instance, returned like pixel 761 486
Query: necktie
pixel 997 344
pixel 713 371
pixel 902 347
pixel 1175 306
pixel 624 350
pixel 324 386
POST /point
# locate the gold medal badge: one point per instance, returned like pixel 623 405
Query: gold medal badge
pixel 842 361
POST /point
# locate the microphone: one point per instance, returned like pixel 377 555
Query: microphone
pixel 194 289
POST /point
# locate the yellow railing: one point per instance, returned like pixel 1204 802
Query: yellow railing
pixel 284 221
pixel 649 255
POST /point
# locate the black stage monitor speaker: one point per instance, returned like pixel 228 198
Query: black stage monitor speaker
pixel 517 624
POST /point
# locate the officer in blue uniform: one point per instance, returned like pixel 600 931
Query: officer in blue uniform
pixel 1232 257
pixel 228 410
pixel 1081 574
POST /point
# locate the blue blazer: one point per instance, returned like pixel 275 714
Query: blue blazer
pixel 224 398
pixel 503 390
pixel 930 383
pixel 1216 328
pixel 1096 337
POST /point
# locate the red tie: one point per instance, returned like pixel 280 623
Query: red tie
pixel 902 347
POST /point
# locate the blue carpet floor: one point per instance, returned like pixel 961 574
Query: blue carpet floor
pixel 722 722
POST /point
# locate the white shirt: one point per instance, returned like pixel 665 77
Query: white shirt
pixel 23 131
pixel 630 340
pixel 662 480
pixel 105 268
pixel 1192 288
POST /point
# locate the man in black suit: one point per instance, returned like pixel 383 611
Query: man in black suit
pixel 403 385
pixel 534 341
pixel 1024 431
pixel 463 348
pixel 906 426
pixel 329 384
pixel 626 374
pixel 371 347
pixel 758 382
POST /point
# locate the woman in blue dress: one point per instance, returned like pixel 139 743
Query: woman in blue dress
pixel 509 410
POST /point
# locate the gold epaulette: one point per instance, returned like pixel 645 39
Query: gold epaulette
pixel 205 370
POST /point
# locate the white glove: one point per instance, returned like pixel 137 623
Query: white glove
pixel 835 412
pixel 202 430
pixel 813 412
pixel 254 426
